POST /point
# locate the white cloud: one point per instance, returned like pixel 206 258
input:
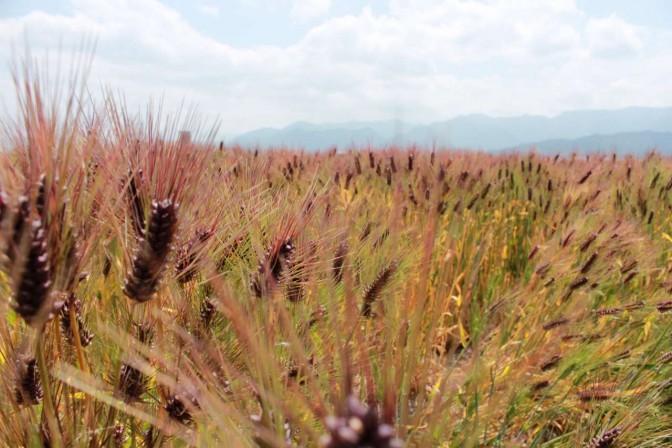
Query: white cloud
pixel 613 37
pixel 309 9
pixel 425 59
pixel 210 10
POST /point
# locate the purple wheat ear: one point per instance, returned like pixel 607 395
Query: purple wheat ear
pixel 207 311
pixel 372 292
pixel 187 256
pixel 28 387
pixel 150 258
pixel 135 203
pixel 19 226
pixel 33 286
pixel 178 410
pixel 132 382
pixel 85 335
pixel 358 426
pixel 277 260
pixel 605 439
pixel 339 261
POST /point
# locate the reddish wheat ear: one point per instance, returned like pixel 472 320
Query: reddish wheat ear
pixel 135 203
pixel 596 394
pixel 539 385
pixel 374 290
pixel 604 440
pixel 608 311
pixel 277 260
pixel 589 263
pixel 339 261
pixel 555 323
pixel 550 363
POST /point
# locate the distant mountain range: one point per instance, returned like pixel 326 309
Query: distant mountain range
pixel 635 143
pixel 631 130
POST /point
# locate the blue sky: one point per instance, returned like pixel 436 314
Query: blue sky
pixel 258 63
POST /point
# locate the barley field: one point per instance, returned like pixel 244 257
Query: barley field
pixel 159 290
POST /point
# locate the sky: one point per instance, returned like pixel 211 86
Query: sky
pixel 268 63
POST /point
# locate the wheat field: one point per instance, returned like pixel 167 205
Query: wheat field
pixel 166 291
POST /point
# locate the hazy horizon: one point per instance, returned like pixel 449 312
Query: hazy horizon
pixel 452 117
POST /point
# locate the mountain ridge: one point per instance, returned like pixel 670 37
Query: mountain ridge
pixel 476 131
pixel 635 143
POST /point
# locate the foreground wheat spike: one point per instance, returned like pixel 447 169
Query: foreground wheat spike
pixel 132 382
pixel 32 290
pixel 555 323
pixel 316 315
pixel 19 225
pixel 135 203
pixel 151 438
pixel 28 387
pixel 144 332
pixel 187 256
pixel 373 291
pixel 539 385
pixel 550 362
pixel 358 426
pixel 276 261
pixel 339 261
pixel 664 306
pixel 72 262
pixel 150 259
pixel 41 200
pixel 606 439
pixel 45 435
pixel 207 312
pixel 119 435
pixel 296 277
pixel 85 336
pixel 294 290
pixel 177 409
